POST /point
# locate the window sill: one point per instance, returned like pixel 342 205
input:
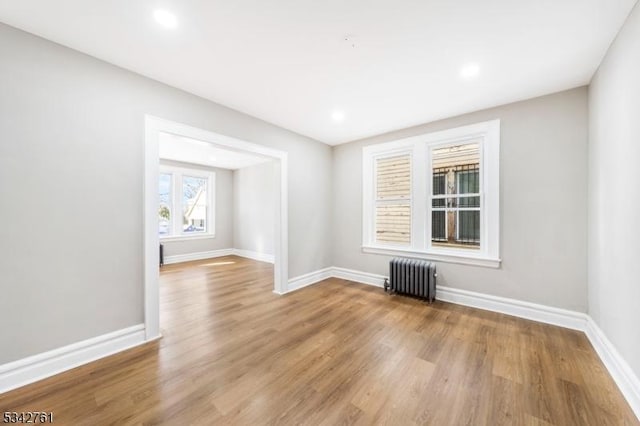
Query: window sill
pixel 186 238
pixel 436 257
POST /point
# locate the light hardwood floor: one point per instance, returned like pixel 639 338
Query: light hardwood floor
pixel 333 353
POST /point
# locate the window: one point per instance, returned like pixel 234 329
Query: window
pixel 393 199
pixel 164 212
pixel 435 196
pixel 186 203
pixel 194 204
pixel 455 197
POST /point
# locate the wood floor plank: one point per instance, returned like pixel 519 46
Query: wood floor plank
pixel 333 353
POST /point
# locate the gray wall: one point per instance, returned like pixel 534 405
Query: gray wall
pixel 71 179
pixel 543 200
pixel 614 194
pixel 254 203
pixel 223 215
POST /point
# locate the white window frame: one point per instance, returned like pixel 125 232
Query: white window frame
pixel 488 254
pixel 177 232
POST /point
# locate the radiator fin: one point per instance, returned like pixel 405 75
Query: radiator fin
pixel 413 277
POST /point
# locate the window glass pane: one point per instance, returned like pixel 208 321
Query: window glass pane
pixel 469 227
pixel 164 210
pixel 455 216
pixel 469 202
pixel 468 180
pixel 438 226
pixel 194 204
pixel 393 177
pixel 393 223
pixel 439 181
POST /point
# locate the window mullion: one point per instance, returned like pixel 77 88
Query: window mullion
pixel 419 188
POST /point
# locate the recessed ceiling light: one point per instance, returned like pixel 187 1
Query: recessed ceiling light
pixel 469 71
pixel 337 116
pixel 165 18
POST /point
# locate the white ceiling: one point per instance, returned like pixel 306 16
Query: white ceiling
pixel 286 61
pixel 187 150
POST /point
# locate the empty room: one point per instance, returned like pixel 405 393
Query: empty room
pixel 319 213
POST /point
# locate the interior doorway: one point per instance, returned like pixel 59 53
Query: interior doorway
pixel 157 130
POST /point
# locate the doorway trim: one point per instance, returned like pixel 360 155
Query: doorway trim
pixel 153 127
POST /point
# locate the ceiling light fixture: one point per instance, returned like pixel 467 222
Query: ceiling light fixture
pixel 165 18
pixel 337 116
pixel 469 71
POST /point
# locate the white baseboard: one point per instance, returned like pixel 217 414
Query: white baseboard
pixel 624 377
pixel 262 257
pixel 358 276
pixel 532 311
pixel 179 258
pixel 517 308
pixel 308 279
pixel 622 374
pixel 37 367
pixel 201 255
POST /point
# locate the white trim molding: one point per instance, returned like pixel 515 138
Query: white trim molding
pixel 261 257
pixel 627 381
pixel 188 238
pixel 305 280
pixel 358 276
pixel 153 127
pixel 517 308
pixel 436 257
pixel 201 255
pixel 532 311
pixel 37 367
pixel 314 277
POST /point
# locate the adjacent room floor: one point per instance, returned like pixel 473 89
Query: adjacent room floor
pixel 336 352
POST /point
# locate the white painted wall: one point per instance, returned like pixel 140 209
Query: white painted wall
pixel 254 203
pixel 223 215
pixel 543 201
pixel 71 179
pixel 614 193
